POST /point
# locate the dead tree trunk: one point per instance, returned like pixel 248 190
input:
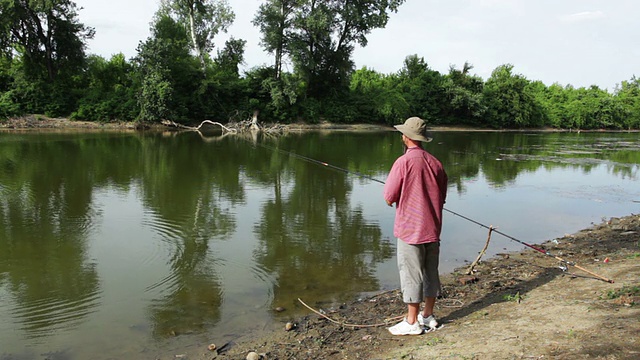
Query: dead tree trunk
pixel 254 121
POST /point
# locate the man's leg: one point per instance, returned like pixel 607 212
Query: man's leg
pixel 410 258
pixel 412 312
pixel 429 303
pixel 431 283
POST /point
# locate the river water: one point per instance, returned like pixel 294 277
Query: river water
pixel 129 245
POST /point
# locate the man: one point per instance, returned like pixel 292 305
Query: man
pixel 417 184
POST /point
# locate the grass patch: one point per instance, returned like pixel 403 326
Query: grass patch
pixel 516 298
pixel 434 341
pixel 623 291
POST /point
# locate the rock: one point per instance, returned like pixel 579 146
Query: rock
pixel 253 356
pixel 279 309
pixel 288 326
pixel 468 280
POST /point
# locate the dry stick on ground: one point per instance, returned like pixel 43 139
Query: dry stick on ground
pixel 338 322
pixel 484 249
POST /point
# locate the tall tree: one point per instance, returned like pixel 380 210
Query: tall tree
pixel 203 20
pixel 275 19
pixel 324 34
pixel 231 56
pixel 422 88
pixel 463 93
pixel 377 97
pixel 168 73
pixel 108 91
pixel 509 100
pixel 46 34
pixel 628 92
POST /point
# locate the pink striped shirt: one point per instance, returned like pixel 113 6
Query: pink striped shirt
pixel 417 183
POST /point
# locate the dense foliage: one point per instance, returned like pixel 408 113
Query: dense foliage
pixel 44 70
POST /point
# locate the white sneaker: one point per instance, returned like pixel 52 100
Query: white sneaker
pixel 404 328
pixel 430 321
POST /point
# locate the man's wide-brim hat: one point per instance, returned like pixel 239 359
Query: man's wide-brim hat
pixel 415 129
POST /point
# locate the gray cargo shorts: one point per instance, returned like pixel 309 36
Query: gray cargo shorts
pixel 418 267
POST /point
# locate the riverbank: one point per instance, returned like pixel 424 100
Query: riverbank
pixel 33 122
pixel 514 306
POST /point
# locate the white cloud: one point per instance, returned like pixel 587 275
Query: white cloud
pixel 583 16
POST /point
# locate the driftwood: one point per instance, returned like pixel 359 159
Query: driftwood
pixel 224 128
pixel 251 124
pixel 254 121
pixel 484 249
pixel 174 124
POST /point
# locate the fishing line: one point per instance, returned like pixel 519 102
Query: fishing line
pixel 346 171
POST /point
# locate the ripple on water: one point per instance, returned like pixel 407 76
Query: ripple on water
pixel 41 317
pixel 169 230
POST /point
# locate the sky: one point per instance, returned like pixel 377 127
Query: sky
pixel 576 42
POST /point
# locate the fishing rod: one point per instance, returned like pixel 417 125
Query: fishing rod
pixel 347 171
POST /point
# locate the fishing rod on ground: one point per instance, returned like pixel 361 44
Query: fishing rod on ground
pixel 346 171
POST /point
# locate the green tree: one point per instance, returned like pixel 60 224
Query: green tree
pixel 231 56
pixel 203 19
pixel 223 92
pixel 109 93
pixel 275 20
pixel 45 33
pixel 464 96
pixel 46 43
pixel 8 105
pixel 553 100
pixel 628 93
pixel 275 99
pixel 168 74
pixel 422 88
pixel 376 97
pixel 593 108
pixel 323 36
pixel 509 100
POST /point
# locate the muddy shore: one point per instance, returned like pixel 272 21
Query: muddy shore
pixel 34 122
pixel 513 306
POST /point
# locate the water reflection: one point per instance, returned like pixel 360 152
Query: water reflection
pixel 46 217
pixel 190 198
pixel 310 227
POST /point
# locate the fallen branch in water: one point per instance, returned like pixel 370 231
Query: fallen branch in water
pixel 231 130
pixel 174 124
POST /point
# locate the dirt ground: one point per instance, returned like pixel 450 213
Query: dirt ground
pixel 514 306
